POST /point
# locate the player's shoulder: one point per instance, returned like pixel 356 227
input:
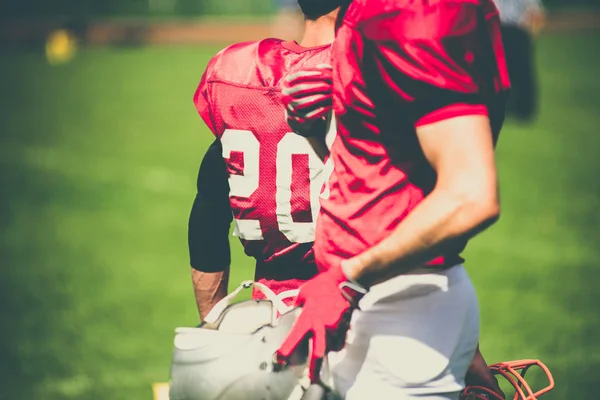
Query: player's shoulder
pixel 421 19
pixel 252 49
pixel 225 63
pixel 366 10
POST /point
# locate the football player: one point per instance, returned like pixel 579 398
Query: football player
pixel 257 172
pixel 419 91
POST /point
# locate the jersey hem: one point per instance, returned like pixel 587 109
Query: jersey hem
pixel 452 111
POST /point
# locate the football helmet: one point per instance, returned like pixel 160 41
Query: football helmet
pixel 230 356
pixel 514 372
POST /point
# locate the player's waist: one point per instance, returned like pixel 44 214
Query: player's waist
pixel 299 265
pixel 285 289
pixel 337 241
pixel 422 281
pixel 432 268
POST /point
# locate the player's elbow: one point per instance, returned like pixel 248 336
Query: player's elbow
pixel 482 209
pixel 488 214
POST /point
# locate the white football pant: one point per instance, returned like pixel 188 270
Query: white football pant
pixel 413 338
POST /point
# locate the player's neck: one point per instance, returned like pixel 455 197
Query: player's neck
pixel 318 33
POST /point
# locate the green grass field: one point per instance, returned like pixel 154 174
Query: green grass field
pixel 98 162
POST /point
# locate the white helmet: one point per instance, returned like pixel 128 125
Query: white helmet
pixel 230 356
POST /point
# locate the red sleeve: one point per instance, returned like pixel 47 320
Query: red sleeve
pixel 440 58
pixel 202 99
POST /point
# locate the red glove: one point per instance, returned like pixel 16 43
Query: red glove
pixel 327 303
pixel 307 95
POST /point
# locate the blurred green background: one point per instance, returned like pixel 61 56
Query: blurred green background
pixel 98 162
pixel 97 8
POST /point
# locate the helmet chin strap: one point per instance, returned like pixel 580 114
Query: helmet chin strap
pixel 279 306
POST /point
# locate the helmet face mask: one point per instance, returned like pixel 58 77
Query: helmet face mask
pixel 514 372
pixel 230 356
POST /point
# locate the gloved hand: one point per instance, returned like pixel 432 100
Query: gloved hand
pixel 307 96
pixel 327 303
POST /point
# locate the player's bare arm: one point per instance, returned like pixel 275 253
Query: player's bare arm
pixel 209 289
pixel 463 203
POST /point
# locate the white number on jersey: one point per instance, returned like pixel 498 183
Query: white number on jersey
pixel 245 185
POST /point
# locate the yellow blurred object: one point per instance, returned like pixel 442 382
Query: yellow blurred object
pixel 161 391
pixel 61 46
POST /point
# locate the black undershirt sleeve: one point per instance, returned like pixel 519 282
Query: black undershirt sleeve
pixel 210 218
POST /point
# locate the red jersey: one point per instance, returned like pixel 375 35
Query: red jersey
pixel 275 176
pixel 399 64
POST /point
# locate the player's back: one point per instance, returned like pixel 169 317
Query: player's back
pixel 400 64
pixel 274 175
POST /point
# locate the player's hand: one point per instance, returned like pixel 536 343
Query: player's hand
pixel 491 386
pixel 327 303
pixel 307 96
pixel 479 375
